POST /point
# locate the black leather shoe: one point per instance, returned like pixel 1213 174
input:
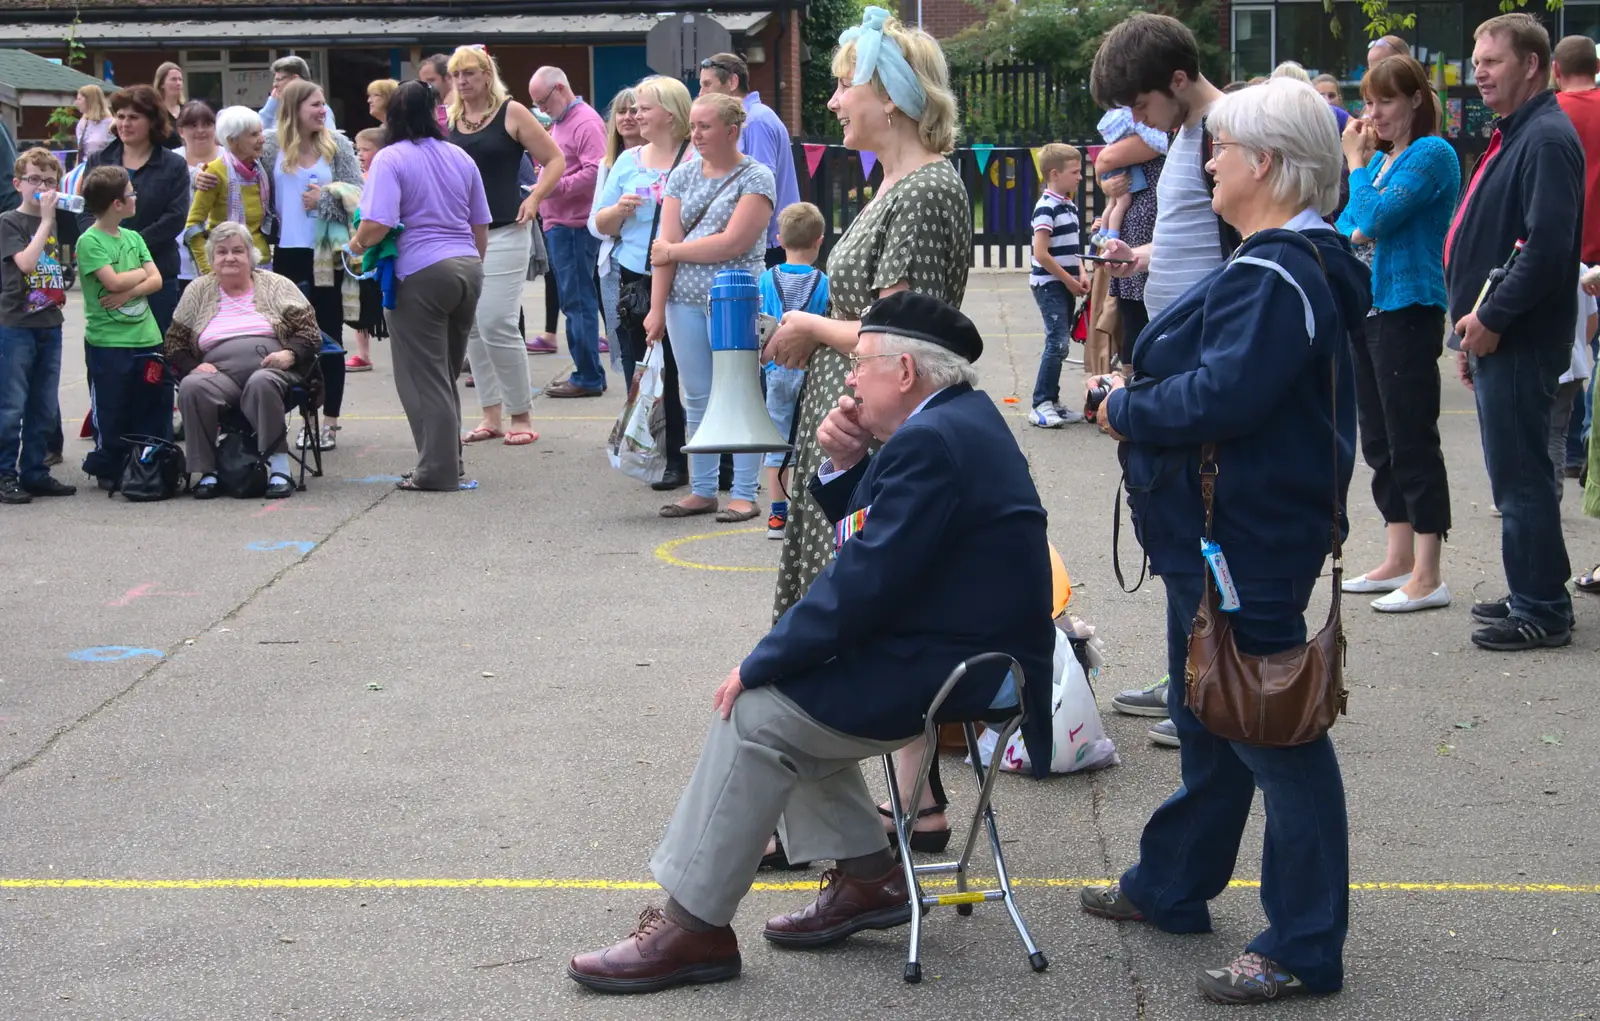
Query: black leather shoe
pixel 207 491
pixel 675 477
pixel 279 487
pixel 50 487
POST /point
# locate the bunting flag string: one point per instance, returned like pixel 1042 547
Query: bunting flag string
pixel 982 152
pixel 868 161
pixel 814 155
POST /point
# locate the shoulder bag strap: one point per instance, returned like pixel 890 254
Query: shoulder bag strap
pixel 720 189
pixel 655 224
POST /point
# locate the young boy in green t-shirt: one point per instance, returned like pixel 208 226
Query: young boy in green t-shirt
pixel 129 393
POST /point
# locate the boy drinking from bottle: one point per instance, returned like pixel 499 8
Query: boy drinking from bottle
pixel 32 292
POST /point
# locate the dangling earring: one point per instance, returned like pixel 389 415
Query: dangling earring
pixel 888 118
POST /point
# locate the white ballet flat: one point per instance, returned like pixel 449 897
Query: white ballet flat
pixel 1398 602
pixel 1361 584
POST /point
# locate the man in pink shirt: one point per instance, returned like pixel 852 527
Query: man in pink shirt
pixel 581 134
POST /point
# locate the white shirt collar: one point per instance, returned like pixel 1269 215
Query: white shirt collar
pixel 925 401
pixel 1306 219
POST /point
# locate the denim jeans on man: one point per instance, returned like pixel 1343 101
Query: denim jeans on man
pixel 1055 305
pixel 1516 388
pixel 30 376
pixel 573 253
pixel 1189 846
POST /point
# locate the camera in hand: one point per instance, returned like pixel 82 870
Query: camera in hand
pixel 1095 397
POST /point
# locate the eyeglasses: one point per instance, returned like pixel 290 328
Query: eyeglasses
pixel 1219 147
pixel 540 103
pixel 42 182
pixel 130 196
pixel 856 360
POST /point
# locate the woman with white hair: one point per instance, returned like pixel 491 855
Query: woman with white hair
pixel 1246 381
pixel 241 188
pixel 241 337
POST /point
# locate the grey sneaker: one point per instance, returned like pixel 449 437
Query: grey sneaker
pixel 1248 978
pixel 1150 700
pixel 1165 734
pixel 1109 902
pixel 1069 416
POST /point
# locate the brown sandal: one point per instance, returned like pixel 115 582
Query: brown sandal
pixel 729 516
pixel 674 510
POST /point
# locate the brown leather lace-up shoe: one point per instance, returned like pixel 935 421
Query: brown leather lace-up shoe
pixel 659 955
pixel 844 906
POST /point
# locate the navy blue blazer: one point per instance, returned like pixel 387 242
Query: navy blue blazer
pixel 952 561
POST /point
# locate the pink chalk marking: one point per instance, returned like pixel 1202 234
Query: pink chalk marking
pixel 278 505
pixel 140 591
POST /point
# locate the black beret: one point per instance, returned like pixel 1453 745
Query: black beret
pixel 926 318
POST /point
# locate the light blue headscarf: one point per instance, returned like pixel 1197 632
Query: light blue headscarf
pixel 876 53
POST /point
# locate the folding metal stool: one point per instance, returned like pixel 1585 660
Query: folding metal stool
pixel 1005 721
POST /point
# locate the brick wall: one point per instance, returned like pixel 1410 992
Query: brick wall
pixel 942 18
pixel 784 53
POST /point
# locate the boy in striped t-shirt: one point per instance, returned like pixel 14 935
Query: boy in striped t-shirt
pixel 1055 279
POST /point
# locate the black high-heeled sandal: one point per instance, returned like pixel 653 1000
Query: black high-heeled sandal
pixel 923 841
pixel 779 860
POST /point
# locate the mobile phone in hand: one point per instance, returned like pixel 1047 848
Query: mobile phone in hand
pixel 1109 262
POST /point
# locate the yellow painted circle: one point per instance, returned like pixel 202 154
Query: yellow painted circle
pixel 664 552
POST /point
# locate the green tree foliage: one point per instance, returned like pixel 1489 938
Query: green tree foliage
pixel 63 120
pixel 819 30
pixel 1061 35
pixel 1381 21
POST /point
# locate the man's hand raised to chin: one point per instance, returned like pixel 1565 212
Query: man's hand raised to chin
pixel 843 436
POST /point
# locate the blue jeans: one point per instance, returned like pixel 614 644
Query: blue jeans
pixel 1055 305
pixel 1189 846
pixel 783 392
pixel 30 376
pixel 573 254
pixel 1515 388
pixel 610 285
pixel 122 404
pixel 690 330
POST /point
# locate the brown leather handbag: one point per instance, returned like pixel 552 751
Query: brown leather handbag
pixel 1288 698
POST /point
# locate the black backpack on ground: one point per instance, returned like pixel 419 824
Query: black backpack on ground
pixel 155 470
pixel 241 470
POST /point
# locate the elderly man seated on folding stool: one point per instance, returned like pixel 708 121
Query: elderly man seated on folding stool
pixel 941 556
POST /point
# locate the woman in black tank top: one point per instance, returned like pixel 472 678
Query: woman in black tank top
pixel 496 131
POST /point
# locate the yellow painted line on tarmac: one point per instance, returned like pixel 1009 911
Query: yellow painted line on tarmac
pixel 665 554
pixel 513 883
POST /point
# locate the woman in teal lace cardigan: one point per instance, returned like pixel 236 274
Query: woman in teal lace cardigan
pixel 1403 185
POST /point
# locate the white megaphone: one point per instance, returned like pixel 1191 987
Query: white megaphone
pixel 736 420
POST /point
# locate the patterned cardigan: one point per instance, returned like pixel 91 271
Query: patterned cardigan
pixel 278 300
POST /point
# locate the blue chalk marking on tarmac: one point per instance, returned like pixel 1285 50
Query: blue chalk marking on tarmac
pixel 265 546
pixel 113 653
pixel 373 480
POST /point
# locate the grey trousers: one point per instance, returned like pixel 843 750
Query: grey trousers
pixel 239 382
pixel 1560 421
pixel 433 314
pixel 768 765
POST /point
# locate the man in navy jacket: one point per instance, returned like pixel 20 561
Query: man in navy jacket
pixel 941 556
pixel 1527 188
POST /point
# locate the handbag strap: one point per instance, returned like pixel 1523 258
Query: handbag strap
pixel 655 224
pixel 714 195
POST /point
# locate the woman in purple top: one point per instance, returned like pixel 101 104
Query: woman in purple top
pixel 432 190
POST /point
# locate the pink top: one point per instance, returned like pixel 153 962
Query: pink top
pixel 236 317
pixel 581 136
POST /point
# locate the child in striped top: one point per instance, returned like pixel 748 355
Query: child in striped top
pixel 1056 280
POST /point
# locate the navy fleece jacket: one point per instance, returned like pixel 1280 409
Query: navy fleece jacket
pixel 1243 360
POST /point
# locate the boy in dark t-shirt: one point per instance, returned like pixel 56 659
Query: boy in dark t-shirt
pixel 32 292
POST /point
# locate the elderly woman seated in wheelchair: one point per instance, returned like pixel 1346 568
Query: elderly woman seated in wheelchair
pixel 241 338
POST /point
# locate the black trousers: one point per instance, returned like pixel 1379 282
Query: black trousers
pixel 1135 317
pixel 328 304
pixel 1397 405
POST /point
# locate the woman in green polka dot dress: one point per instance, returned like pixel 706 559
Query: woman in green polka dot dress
pixel 893 99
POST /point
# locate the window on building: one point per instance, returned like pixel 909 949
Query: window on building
pixel 1305 35
pixel 1252 42
pixel 1581 19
